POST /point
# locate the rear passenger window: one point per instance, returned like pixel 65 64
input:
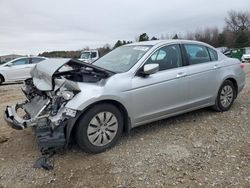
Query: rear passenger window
pixel 197 54
pixel 167 57
pixel 213 54
pixel 36 60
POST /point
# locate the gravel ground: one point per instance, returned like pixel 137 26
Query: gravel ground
pixel 198 149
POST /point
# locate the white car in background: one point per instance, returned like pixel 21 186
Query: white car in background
pixel 18 69
pixel 89 56
pixel 246 57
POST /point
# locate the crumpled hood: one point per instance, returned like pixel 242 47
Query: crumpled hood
pixel 43 72
pixel 46 71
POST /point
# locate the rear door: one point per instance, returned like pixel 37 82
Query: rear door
pixel 162 93
pixel 203 73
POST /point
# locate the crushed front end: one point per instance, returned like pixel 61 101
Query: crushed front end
pixel 53 96
pixel 54 83
pixel 45 112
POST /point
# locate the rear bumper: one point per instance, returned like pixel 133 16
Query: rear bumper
pixel 240 87
pixel 241 81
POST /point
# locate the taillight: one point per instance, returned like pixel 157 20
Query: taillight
pixel 242 65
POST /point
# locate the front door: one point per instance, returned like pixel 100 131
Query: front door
pixel 162 93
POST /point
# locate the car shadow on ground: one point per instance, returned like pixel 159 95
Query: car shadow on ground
pixel 10 83
pixel 173 121
pixel 167 124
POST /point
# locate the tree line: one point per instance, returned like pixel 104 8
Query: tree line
pixel 235 34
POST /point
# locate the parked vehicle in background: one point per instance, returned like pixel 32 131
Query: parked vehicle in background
pixel 246 57
pixel 237 53
pixel 7 58
pixel 242 54
pixel 18 69
pixel 89 56
pixel 132 85
pixel 225 50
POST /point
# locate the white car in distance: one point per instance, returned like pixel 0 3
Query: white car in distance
pixel 18 69
pixel 246 57
pixel 89 56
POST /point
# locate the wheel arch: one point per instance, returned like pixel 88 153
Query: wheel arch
pixel 70 128
pixel 234 83
pixel 1 75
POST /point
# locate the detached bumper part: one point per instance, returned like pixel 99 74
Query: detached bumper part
pixel 51 132
pixel 48 139
pixel 13 119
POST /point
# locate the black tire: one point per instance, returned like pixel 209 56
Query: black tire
pixel 218 103
pixel 1 79
pixel 82 136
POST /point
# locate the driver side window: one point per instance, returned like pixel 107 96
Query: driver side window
pixel 167 57
pixel 21 62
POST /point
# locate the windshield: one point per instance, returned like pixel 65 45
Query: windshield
pixel 85 55
pixel 122 59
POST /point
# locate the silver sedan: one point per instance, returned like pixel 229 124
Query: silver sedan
pixel 131 86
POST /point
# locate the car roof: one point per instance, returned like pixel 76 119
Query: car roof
pixel 29 57
pixel 24 57
pixel 161 42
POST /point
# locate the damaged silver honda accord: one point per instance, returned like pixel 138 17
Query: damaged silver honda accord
pixel 138 83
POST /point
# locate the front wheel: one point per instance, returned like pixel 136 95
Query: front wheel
pixel 99 128
pixel 1 79
pixel 225 97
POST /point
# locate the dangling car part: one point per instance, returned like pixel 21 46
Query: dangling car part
pixel 47 94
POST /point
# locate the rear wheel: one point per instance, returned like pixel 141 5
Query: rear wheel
pixel 225 97
pixel 99 128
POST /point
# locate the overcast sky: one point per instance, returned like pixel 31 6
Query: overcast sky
pixel 35 26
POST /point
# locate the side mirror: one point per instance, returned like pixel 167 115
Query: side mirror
pixel 150 69
pixel 8 65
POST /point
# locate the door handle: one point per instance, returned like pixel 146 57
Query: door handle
pixel 216 66
pixel 181 74
pixel 28 67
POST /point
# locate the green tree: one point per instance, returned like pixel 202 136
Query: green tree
pixel 104 50
pixel 221 39
pixel 237 29
pixel 242 40
pixel 176 37
pixel 118 44
pixel 143 37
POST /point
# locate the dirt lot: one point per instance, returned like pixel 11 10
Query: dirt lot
pixel 198 149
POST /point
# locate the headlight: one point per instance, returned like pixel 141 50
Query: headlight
pixel 67 95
